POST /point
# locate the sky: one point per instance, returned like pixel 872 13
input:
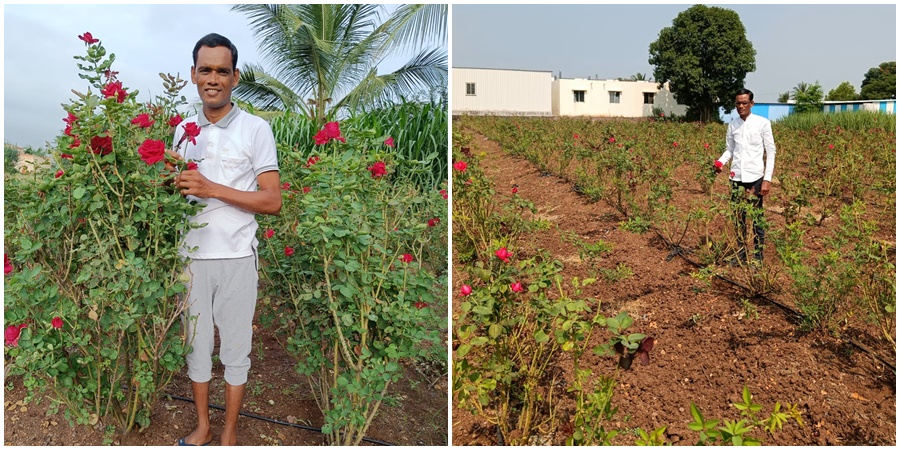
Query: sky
pixel 794 43
pixel 39 42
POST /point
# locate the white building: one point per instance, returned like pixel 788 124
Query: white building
pixel 501 92
pixel 611 98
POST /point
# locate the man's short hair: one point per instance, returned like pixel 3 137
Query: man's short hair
pixel 215 40
pixel 745 91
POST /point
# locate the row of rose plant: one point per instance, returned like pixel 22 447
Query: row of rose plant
pixel 829 181
pixel 517 317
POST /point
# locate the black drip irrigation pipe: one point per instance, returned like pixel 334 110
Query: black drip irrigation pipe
pixel 678 250
pixel 275 421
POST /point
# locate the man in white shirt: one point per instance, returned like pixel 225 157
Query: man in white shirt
pixel 748 139
pixel 236 177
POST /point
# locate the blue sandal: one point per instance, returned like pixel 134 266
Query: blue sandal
pixel 182 443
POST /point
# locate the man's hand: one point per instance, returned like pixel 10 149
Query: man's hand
pixel 192 182
pixel 764 189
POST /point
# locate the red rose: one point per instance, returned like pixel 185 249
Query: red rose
pixel 143 121
pixel 433 222
pixel 675 144
pixel 312 161
pixel 114 89
pixel 612 140
pixel 306 189
pixel 269 233
pixel 57 322
pixel 465 289
pixel 378 169
pixel 503 254
pixel 389 142
pixel 420 305
pixel 732 174
pixel 444 193
pixel 101 145
pixel 75 144
pixel 175 120
pixel 191 131
pixel 515 190
pixel 706 146
pixel 286 186
pixel 68 130
pixel 152 151
pixel 191 165
pixel 12 334
pixel 66 155
pixel 87 38
pixel 331 131
pixel 70 119
pixel 59 173
pixel 288 251
pixel 516 287
pixel 407 258
pixel 830 146
pixel 576 135
pixel 7 265
pixel 460 166
pixel 719 164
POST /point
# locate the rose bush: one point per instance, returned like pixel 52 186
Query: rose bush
pixel 353 294
pixel 93 283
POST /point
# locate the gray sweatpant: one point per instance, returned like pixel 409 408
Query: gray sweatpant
pixel 221 294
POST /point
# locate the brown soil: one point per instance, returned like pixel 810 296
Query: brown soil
pixel 709 345
pixel 415 415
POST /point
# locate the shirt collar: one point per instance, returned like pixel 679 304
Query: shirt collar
pixel 223 122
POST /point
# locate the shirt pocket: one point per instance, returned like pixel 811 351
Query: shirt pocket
pixel 234 168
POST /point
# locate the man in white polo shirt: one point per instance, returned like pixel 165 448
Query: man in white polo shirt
pixel 236 178
pixel 747 140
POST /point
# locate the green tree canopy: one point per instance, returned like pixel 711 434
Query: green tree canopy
pixel 808 97
pixel 705 57
pixel 784 97
pixel 880 82
pixel 323 58
pixel 844 92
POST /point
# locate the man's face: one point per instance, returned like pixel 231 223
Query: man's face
pixel 743 104
pixel 214 76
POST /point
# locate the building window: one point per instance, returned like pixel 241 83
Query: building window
pixel 648 98
pixel 579 96
pixel 470 88
pixel 615 96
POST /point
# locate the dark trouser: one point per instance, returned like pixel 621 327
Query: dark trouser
pixel 739 195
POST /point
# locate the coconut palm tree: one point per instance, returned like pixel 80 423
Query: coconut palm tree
pixel 322 59
pixel 800 90
pixel 784 97
pixel 640 77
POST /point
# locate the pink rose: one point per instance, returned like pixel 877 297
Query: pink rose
pixel 503 254
pixel 465 289
pixel 59 173
pixel 719 164
pixel 460 166
pixel 389 142
pixel 516 287
pixel 378 169
pixel 288 251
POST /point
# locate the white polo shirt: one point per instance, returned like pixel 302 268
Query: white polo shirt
pixel 232 152
pixel 745 143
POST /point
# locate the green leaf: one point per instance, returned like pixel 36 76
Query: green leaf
pixel 78 192
pixel 541 337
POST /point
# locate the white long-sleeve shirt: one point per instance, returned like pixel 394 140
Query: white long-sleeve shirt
pixel 745 143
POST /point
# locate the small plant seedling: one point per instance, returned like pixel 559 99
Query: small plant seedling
pixel 627 346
